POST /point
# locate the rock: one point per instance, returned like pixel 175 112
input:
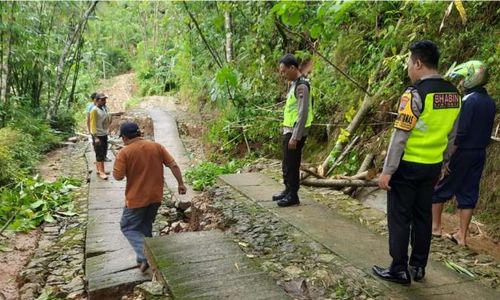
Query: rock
pixel 293 271
pixel 325 277
pixel 54 280
pixel 58 271
pixel 35 288
pixel 34 275
pixel 297 288
pixel 182 203
pixel 73 139
pixel 188 212
pixel 316 247
pixel 75 285
pixel 165 230
pixel 178 226
pixel 38 262
pixel 76 295
pixel 326 257
pixel 28 294
pixel 150 288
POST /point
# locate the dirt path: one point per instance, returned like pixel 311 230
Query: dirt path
pixel 17 251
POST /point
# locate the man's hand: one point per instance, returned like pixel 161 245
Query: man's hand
pixel 182 189
pixel 383 181
pixel 292 144
pixel 97 141
pixel 445 170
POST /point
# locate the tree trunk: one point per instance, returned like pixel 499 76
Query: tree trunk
pixel 1 61
pixel 78 58
pixel 338 183
pixel 6 68
pixel 228 25
pixel 362 111
pixel 72 38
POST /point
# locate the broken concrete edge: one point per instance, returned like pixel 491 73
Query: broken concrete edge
pixel 153 265
pixel 115 292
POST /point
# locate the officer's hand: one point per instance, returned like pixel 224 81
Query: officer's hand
pixel 383 181
pixel 182 189
pixel 292 144
pixel 446 169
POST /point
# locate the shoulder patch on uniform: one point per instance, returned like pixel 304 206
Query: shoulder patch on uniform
pixel 445 100
pixel 406 119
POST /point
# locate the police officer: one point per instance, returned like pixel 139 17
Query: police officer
pixel 465 168
pixel 425 124
pixel 297 118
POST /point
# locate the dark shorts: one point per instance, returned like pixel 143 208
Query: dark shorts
pixel 101 149
pixel 466 168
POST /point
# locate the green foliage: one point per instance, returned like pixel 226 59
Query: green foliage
pixel 17 153
pixel 32 201
pixel 133 102
pixel 205 174
pixel 21 144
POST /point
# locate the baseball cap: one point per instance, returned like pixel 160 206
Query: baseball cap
pixel 100 96
pixel 129 129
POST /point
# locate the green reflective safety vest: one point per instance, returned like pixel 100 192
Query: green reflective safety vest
pixel 440 108
pixel 291 112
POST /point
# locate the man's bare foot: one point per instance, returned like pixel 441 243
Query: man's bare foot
pixel 437 233
pixel 456 239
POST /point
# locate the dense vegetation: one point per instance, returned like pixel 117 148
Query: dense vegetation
pixel 221 59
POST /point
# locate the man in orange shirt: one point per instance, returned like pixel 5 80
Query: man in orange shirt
pixel 141 162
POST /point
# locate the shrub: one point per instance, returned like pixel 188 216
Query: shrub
pixel 205 174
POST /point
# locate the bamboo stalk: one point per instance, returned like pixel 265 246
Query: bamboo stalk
pixel 338 183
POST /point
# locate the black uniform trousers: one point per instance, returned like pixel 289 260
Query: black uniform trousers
pixel 291 163
pixel 409 213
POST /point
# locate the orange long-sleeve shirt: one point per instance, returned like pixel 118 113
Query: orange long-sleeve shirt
pixel 141 162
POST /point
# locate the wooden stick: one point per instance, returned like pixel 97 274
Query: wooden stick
pixel 311 171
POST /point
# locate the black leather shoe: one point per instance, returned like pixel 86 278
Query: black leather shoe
pixel 280 196
pixel 289 200
pixel 418 273
pixel 402 277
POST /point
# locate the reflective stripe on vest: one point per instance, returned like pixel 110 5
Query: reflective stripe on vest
pixel 291 111
pixel 429 139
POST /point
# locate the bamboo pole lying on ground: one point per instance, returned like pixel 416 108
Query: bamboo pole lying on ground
pixel 339 183
pixel 310 171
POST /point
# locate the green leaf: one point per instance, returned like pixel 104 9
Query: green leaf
pixel 48 218
pixel 67 213
pixel 37 204
pixel 226 75
pixel 316 31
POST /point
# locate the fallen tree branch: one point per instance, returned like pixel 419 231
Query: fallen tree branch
pixel 338 183
pixel 341 157
pixel 311 171
pixel 367 103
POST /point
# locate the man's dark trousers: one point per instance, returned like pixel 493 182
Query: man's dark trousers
pixel 409 213
pixel 291 164
pixel 136 224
